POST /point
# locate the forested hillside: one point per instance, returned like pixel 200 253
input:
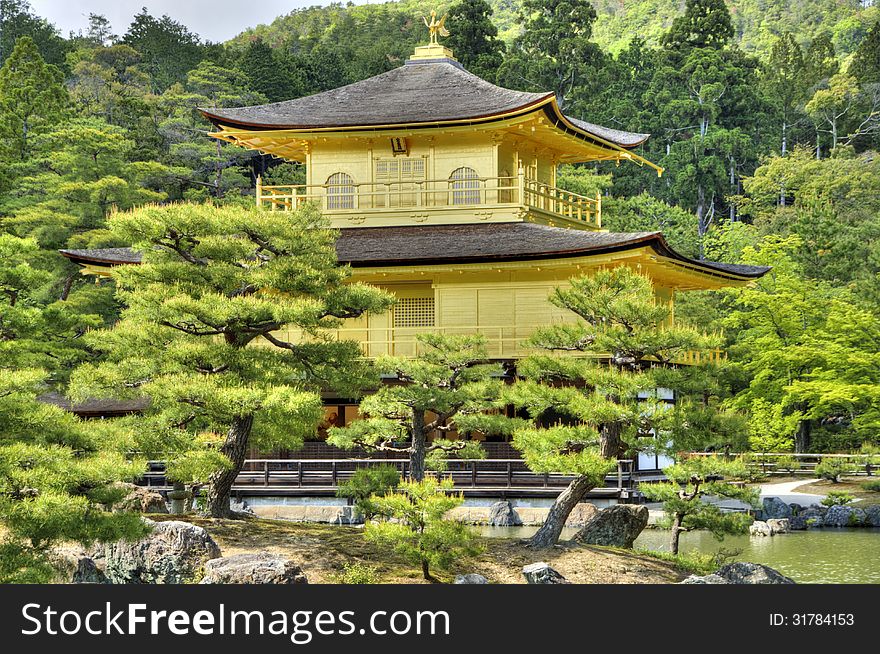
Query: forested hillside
pixel 765 115
pixel 756 22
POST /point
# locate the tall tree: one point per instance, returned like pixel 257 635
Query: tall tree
pixel 449 388
pixel 554 52
pixel 865 64
pixel 32 100
pixel 474 37
pixel 618 317
pixel 203 333
pixel 784 81
pixel 168 48
pixel 704 24
pixel 17 20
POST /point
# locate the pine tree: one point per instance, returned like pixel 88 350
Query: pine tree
pixel 474 38
pixel 704 24
pixel 865 64
pixel 596 406
pixel 785 81
pixel 690 481
pixel 32 99
pixel 204 332
pixel 450 380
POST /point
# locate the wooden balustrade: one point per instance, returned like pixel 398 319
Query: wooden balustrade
pixel 435 193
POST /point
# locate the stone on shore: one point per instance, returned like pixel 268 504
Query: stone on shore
pixel 75 566
pixel 139 499
pixel 542 573
pixel 616 526
pixel 502 514
pixel 741 573
pixel 844 516
pixel 174 553
pixel 773 507
pixel 255 568
pixel 760 528
pixel 471 578
pixel 779 525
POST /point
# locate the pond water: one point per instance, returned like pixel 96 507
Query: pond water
pixel 834 556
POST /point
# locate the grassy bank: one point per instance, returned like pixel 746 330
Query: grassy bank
pixel 323 551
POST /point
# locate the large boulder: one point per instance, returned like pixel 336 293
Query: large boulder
pixel 844 516
pixel 75 566
pixel 707 579
pixel 773 507
pixel 814 516
pixel 581 514
pixel 779 525
pixel 797 523
pixel 760 528
pixel 502 514
pixel 139 499
pixel 616 526
pixel 471 578
pixel 542 573
pixel 751 573
pixel 872 516
pixel 174 553
pixel 256 568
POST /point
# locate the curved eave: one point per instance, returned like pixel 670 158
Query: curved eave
pixel 230 128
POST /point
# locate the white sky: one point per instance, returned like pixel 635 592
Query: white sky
pixel 213 20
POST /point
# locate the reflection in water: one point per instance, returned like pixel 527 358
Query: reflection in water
pixel 814 556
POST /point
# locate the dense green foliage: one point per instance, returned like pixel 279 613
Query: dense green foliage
pixel 419 531
pixel 689 482
pixel 367 482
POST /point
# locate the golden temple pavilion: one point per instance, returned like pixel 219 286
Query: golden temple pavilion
pixel 444 189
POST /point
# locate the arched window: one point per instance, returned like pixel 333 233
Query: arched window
pixel 465 185
pixel 340 191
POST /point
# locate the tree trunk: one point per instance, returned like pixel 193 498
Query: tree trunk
pixel 676 533
pixel 802 437
pixel 549 532
pixel 419 447
pixel 611 446
pixel 235 448
pixel 426 573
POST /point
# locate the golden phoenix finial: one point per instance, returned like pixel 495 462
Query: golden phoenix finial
pixel 436 27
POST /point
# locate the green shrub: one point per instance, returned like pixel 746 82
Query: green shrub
pixel 873 485
pixel 357 572
pixel 788 463
pixel 833 469
pixel 367 482
pixel 419 531
pixel 837 498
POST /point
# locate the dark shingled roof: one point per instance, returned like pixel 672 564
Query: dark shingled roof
pixel 437 90
pixel 96 408
pixel 387 246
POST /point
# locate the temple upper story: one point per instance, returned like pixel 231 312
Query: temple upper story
pixel 428 143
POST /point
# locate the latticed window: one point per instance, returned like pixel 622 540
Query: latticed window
pixel 398 180
pixel 465 185
pixel 414 312
pixel 340 191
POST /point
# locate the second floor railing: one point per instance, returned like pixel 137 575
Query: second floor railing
pixel 471 193
pixel 502 342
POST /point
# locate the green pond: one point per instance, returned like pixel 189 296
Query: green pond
pixel 827 556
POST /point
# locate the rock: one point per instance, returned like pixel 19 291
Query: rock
pixel 795 508
pixel 580 515
pixel 760 528
pixel 542 573
pixel 256 568
pixel 75 566
pixel 775 508
pixel 872 516
pixel 139 500
pixel 844 516
pixel 616 526
pixel 779 525
pixel 708 579
pixel 813 516
pixel 471 578
pixel 241 507
pixel 797 523
pixel 751 573
pixel 174 553
pixel 502 514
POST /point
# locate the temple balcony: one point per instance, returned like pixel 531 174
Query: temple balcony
pixel 504 342
pixel 439 201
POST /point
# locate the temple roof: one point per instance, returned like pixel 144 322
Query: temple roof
pixel 418 93
pixel 364 247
